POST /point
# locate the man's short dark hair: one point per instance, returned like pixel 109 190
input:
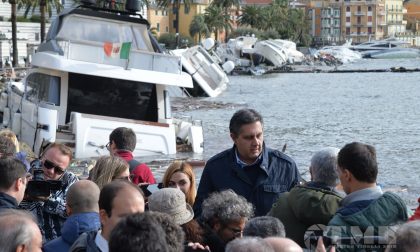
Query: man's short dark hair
pixel 7 147
pixel 360 160
pixel 264 226
pixel 124 138
pixel 110 191
pixel 138 232
pixel 10 170
pixel 242 117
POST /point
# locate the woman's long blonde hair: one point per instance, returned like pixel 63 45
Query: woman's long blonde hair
pixel 187 169
pixel 106 169
pixel 12 136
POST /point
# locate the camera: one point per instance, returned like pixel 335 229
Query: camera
pixel 38 186
pixel 148 189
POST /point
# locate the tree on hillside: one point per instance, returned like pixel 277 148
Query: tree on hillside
pixel 199 26
pixel 227 7
pixel 45 6
pixel 13 11
pixel 217 20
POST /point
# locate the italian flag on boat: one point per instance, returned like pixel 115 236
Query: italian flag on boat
pixel 114 50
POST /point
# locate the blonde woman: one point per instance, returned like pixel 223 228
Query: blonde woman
pixel 181 175
pixel 19 154
pixel 109 168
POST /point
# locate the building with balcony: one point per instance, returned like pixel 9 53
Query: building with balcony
pixel 413 14
pixel 158 19
pixel 394 17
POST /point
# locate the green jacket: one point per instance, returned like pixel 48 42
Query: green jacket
pixel 373 220
pixel 303 207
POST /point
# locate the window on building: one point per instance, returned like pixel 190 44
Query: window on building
pixel 348 8
pixel 359 20
pixel 359 30
pixel 158 27
pixel 369 18
pixel 369 30
pixel 347 30
pixel 156 12
pixel 359 8
pixel 174 24
pixel 167 29
pixel 347 19
pixel 369 8
pixel 186 9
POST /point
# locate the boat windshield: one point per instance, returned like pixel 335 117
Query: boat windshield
pixel 111 97
pixel 104 30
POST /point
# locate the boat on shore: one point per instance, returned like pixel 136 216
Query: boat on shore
pixel 99 69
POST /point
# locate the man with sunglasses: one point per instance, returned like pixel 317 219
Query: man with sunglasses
pixel 51 211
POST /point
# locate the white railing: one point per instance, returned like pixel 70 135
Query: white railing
pixel 93 52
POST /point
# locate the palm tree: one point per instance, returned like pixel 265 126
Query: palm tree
pixel 44 6
pixel 251 15
pixel 14 30
pixel 227 5
pixel 176 4
pixel 199 26
pixel 217 19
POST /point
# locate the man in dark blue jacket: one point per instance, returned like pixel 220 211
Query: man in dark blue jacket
pixel 83 209
pixel 258 173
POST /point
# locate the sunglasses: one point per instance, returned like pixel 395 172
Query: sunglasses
pixel 50 165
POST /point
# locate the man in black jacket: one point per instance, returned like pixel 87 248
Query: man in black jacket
pixel 258 173
pixel 12 183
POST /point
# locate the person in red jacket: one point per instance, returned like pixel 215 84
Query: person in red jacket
pixel 416 215
pixel 122 142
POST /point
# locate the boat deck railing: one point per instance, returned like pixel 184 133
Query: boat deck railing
pixel 93 52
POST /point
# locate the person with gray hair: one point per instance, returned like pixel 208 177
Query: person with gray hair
pixel 264 226
pixel 19 232
pixel 223 218
pixel 312 203
pixel 249 244
pixel 406 238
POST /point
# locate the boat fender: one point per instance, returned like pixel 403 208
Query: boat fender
pixel 16 122
pixel 228 66
pixel 47 126
pixel 195 136
pixel 6 117
pixel 208 43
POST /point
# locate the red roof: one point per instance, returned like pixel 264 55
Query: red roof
pixel 256 2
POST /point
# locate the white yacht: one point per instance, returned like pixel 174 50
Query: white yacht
pixel 271 52
pixel 77 92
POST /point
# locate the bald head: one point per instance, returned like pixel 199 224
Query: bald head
pixel 283 244
pixel 83 197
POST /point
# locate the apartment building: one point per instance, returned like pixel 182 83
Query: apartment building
pixel 158 19
pixel 395 12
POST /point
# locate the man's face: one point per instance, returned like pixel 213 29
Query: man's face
pixel 54 164
pixel 127 201
pixel 249 142
pixel 231 230
pixel 343 175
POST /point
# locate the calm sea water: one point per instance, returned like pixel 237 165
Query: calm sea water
pixel 315 110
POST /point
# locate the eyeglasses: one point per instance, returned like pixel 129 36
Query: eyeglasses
pixel 50 165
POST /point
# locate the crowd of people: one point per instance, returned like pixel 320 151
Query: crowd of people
pixel 249 198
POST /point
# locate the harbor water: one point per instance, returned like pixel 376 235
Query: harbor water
pixel 309 111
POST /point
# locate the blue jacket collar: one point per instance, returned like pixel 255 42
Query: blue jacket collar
pixel 77 224
pixel 7 201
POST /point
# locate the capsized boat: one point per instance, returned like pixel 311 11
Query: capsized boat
pixel 209 78
pixel 98 70
pixel 271 52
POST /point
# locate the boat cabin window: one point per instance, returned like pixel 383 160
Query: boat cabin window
pixel 43 87
pixel 111 97
pixel 99 30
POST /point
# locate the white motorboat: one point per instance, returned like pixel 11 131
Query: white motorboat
pixel 238 50
pixel 342 53
pixel 293 55
pixel 209 78
pixel 78 92
pixel 396 53
pixel 271 52
pixel 367 48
